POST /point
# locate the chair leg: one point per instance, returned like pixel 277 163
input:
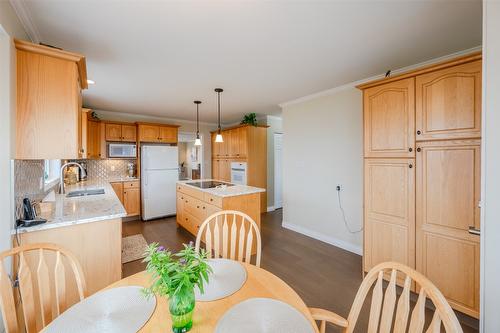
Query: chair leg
pixel 322 327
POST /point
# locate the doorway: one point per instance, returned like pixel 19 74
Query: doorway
pixel 190 157
pixel 278 170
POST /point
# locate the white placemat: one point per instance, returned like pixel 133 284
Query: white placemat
pixel 263 315
pixel 227 278
pixel 120 310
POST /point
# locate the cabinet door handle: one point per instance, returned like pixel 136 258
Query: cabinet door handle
pixel 410 149
pixel 419 149
pixel 474 231
pixel 419 132
pixel 410 166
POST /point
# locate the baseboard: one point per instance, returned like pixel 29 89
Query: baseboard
pixel 327 239
pixel 270 208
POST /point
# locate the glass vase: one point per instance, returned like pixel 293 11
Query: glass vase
pixel 181 306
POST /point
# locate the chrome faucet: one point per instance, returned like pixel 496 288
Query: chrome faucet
pixel 61 178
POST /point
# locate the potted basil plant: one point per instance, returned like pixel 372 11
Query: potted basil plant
pixel 175 276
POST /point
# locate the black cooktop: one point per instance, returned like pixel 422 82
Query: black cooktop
pixel 208 184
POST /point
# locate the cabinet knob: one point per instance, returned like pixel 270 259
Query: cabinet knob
pixel 410 166
pixel 419 132
pixel 197 206
pixel 419 149
pixel 410 149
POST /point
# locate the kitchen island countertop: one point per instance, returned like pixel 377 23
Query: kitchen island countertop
pixel 229 191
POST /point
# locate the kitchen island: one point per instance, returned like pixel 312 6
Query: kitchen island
pixel 198 199
pixel 89 227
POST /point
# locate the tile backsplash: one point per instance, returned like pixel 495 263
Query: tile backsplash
pixel 28 182
pixel 108 169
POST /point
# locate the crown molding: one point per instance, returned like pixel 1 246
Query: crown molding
pixel 24 16
pixel 137 117
pixel 380 76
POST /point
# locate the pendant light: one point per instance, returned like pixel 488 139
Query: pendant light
pixel 218 137
pixel 197 142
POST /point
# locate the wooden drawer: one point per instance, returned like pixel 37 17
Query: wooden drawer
pixel 192 205
pixel 213 199
pixel 131 184
pixel 190 191
pixel 191 223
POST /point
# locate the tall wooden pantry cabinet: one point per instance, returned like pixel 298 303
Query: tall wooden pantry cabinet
pixel 422 134
pixel 243 143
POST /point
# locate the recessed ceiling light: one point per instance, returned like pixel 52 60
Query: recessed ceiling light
pixel 90 81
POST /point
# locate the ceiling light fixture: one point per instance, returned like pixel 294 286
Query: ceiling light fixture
pixel 218 137
pixel 197 142
pixel 90 81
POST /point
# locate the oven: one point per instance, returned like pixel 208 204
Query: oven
pixel 239 173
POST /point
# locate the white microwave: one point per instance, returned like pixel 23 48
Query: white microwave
pixel 122 150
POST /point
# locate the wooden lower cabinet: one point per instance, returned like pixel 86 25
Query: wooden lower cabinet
pixel 448 192
pixel 129 193
pixel 132 201
pixel 96 245
pixel 389 212
pixel 118 188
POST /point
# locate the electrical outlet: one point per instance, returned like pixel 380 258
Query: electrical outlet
pixel 338 188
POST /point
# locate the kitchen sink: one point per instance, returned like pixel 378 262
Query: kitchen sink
pixel 82 193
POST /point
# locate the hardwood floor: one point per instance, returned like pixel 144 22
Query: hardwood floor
pixel 323 275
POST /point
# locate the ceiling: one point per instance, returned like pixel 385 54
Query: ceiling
pixel 156 57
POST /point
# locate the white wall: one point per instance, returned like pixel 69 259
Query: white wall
pixel 10 27
pixel 275 126
pixel 322 147
pixel 185 126
pixel 490 228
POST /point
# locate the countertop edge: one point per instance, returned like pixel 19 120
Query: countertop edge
pixel 54 225
pixel 245 191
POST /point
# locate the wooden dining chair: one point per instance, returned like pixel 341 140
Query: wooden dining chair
pixel 383 304
pixel 49 290
pixel 230 234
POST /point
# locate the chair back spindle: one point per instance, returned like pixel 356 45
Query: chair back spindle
pixel 230 234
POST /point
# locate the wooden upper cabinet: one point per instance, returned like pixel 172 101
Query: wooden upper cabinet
pixel 389 212
pixel 93 140
pixel 242 142
pixel 448 191
pixel 149 133
pixel 448 103
pixel 215 146
pixel 48 111
pixel 129 133
pixel 158 133
pixel 113 132
pixel 121 132
pixel 234 143
pixel 389 119
pixel 168 134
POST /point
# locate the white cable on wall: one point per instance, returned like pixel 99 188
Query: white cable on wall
pixel 343 215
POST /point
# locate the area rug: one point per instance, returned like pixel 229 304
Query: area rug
pixel 133 248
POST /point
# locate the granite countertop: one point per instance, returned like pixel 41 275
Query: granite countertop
pixel 230 191
pixel 77 210
pixel 122 179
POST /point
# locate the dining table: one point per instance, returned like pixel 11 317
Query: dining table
pixel 260 283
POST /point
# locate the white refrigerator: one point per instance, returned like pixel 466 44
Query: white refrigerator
pixel 159 174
